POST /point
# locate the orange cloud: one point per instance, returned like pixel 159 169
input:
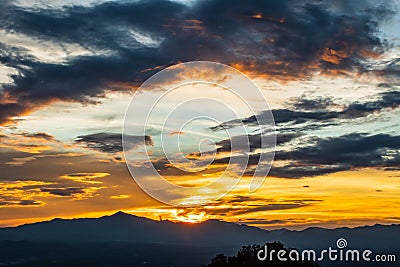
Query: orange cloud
pixel 176 133
pixel 257 16
pixel 83 177
pixel 21 193
pixel 24 160
pixel 120 196
pixel 33 143
pixel 194 24
pixel 333 56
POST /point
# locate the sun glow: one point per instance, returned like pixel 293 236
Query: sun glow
pixel 181 216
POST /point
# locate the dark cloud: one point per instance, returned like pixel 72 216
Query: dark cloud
pixel 29 142
pixel 312 112
pixel 322 156
pixel 254 141
pixel 112 142
pixel 304 155
pixel 318 103
pixel 28 192
pixel 282 39
pixel 315 156
pixel 356 150
pixel 64 191
pixel 40 135
pixel 304 170
pixel 9 201
pixel 394 168
pixel 341 153
pixel 267 207
pixel 240 205
pixel 10 110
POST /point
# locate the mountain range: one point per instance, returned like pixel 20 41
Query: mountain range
pixel 127 240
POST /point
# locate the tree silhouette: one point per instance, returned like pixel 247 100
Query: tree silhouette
pixel 247 257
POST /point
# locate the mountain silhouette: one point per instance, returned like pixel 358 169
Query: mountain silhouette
pixel 132 239
pixel 123 227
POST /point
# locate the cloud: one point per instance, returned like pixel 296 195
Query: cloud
pixel 32 192
pixel 19 161
pixel 254 141
pixel 254 221
pixel 75 193
pixel 20 193
pixel 176 133
pixel 120 196
pixel 304 170
pixel 310 155
pixel 283 40
pixel 299 153
pixel 355 149
pixel 316 112
pixel 302 155
pixel 335 154
pixel 40 135
pixel 243 205
pixel 63 192
pixel 112 142
pixel 33 143
pixel 87 178
pixel 8 201
pixel 320 156
pixel 305 103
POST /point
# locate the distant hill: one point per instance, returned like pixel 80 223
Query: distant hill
pixel 122 234
pixel 122 227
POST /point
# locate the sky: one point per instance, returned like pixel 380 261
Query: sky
pixel 327 71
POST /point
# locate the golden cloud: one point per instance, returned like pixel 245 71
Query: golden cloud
pixel 84 177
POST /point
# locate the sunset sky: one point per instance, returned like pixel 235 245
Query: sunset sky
pixel 329 70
